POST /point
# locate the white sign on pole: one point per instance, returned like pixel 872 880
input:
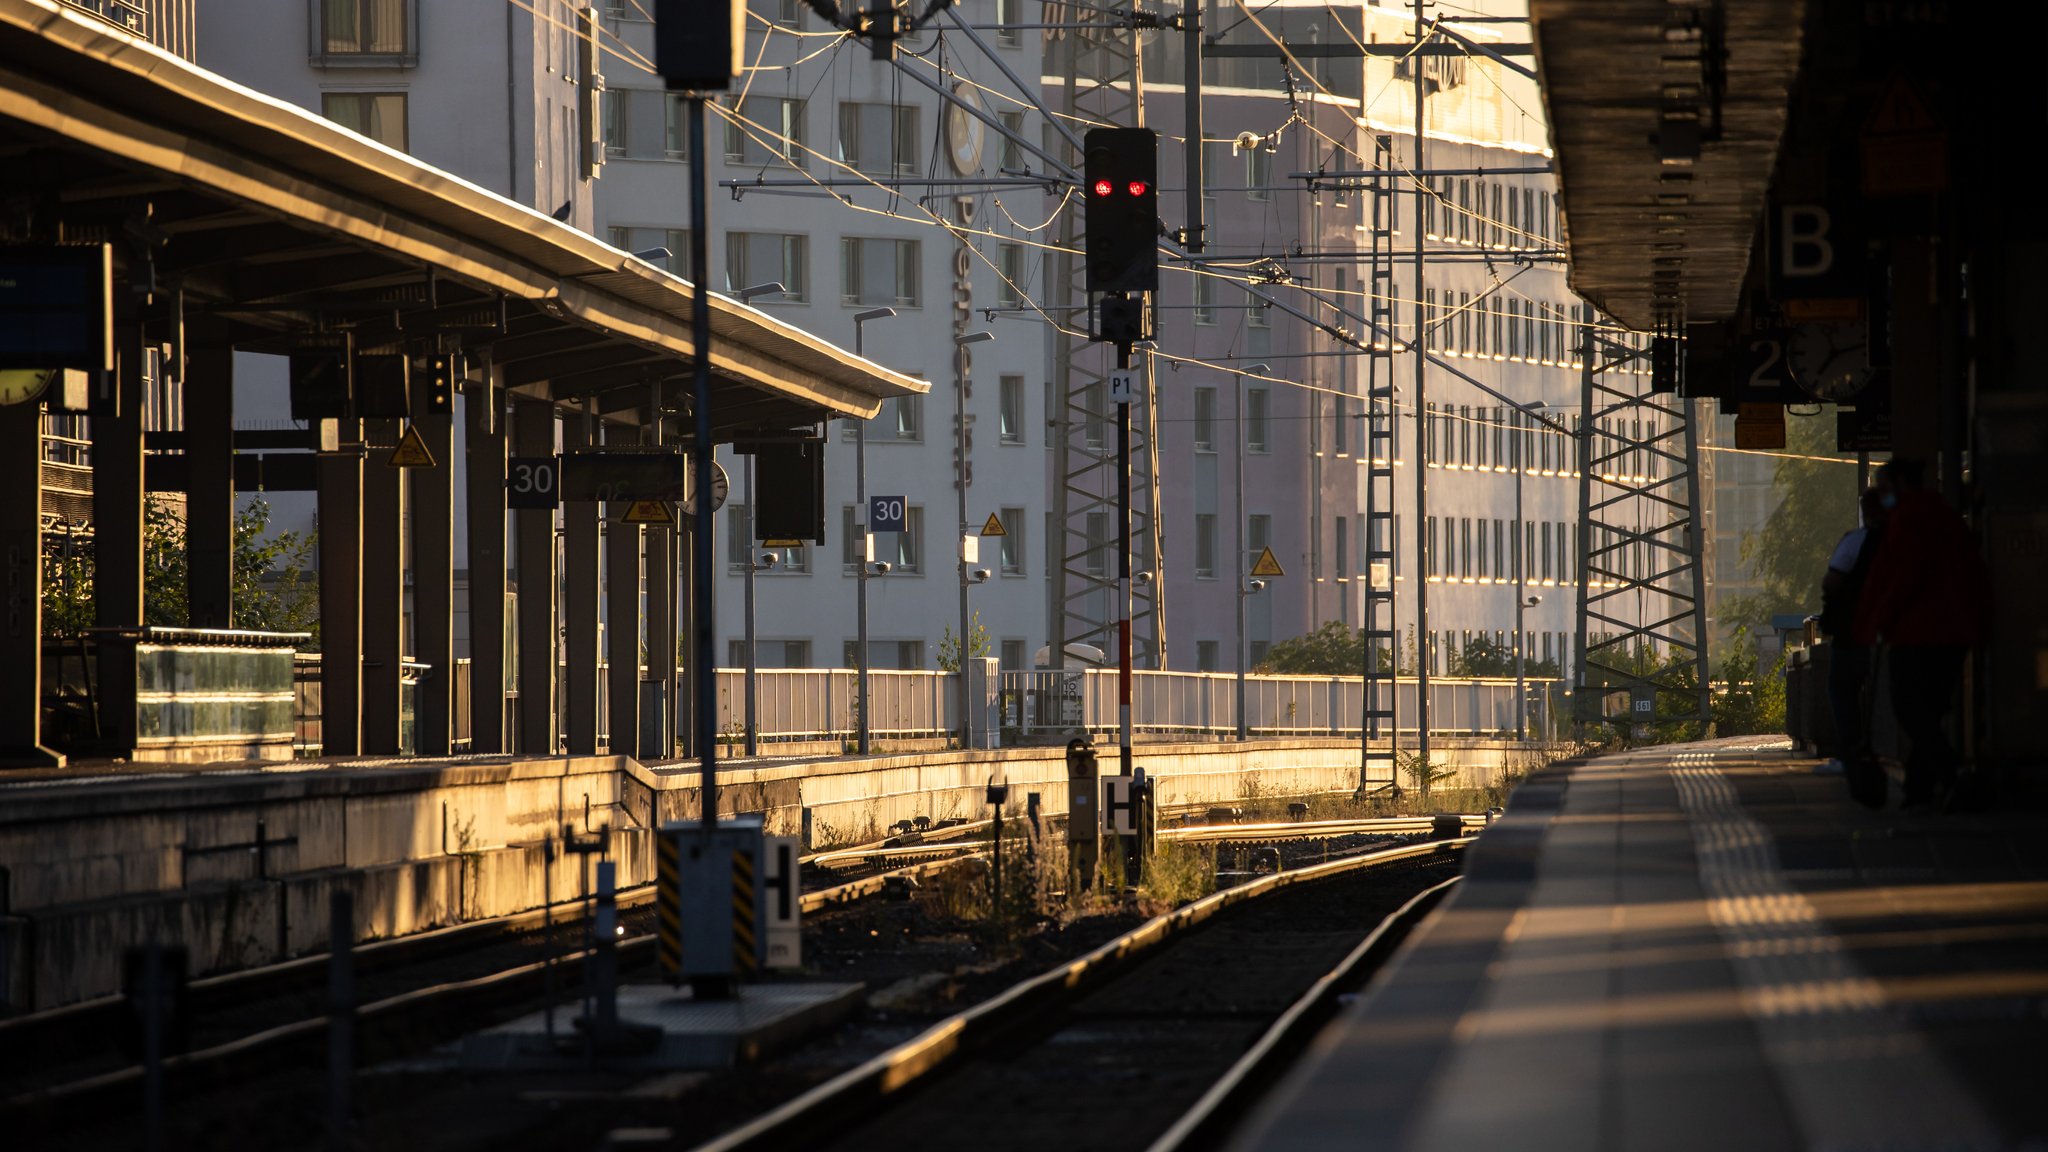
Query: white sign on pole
pixel 970 549
pixel 1123 386
pixel 782 936
pixel 1119 809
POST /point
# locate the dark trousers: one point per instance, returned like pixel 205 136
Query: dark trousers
pixel 1923 683
pixel 1848 669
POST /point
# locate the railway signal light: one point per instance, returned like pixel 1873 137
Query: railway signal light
pixel 442 370
pixel 1122 214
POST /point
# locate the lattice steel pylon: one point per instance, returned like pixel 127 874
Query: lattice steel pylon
pixel 1641 599
pixel 1378 738
pixel 1102 71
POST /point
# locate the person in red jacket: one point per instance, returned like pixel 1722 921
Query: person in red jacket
pixel 1928 597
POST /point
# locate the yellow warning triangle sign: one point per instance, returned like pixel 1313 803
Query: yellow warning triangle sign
pixel 649 512
pixel 993 526
pixel 1267 565
pixel 412 451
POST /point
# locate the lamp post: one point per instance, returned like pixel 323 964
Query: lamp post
pixel 747 531
pixel 1521 685
pixel 1243 589
pixel 860 496
pixel 962 648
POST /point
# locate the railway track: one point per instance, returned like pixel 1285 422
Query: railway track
pixel 1293 830
pixel 1114 1049
pixel 412 993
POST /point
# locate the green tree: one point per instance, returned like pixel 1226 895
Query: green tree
pixel 949 644
pixel 1815 504
pixel 275 588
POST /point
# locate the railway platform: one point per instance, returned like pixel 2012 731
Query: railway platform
pixel 1702 946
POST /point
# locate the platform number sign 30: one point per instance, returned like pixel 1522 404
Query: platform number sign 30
pixel 886 514
pixel 532 482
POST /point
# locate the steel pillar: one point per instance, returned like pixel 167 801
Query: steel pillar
pixel 117 515
pixel 579 614
pixel 383 591
pixel 533 433
pixel 341 594
pixel 431 492
pixel 210 490
pixel 484 489
pixel 622 542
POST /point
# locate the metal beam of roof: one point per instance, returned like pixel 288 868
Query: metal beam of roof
pixel 1651 233
pixel 92 89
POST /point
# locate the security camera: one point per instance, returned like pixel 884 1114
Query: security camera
pixel 1256 586
pixel 980 574
pixel 1142 579
pixel 770 559
pixel 882 567
pixel 1245 142
pixel 1534 601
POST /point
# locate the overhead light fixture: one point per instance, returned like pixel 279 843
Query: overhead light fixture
pixel 1674 197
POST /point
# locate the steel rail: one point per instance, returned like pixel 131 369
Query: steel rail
pixel 879 1079
pixel 1313 829
pixel 1227 1099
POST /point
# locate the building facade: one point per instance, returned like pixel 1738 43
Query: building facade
pixel 858 185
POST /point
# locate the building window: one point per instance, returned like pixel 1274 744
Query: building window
pixel 789 13
pixel 879 139
pixel 1485 566
pixel 778 139
pixel 753 258
pixel 1257 437
pixel 1256 314
pixel 1205 299
pixel 1011 542
pixel 383 29
pixel 1011 154
pixel 1205 419
pixel 1258 536
pixel 1343 548
pixel 377 115
pixel 739 532
pixel 1258 173
pixel 878 271
pixel 1205 656
pixel 612 115
pixel 902 418
pixel 675 132
pixel 1012 275
pixel 1205 545
pixel 1434 567
pixel 1006 15
pixel 1011 396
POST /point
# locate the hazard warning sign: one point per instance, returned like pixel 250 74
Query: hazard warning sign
pixel 411 451
pixel 993 526
pixel 649 512
pixel 1267 564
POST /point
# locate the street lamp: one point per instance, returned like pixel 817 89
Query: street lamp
pixel 1243 589
pixel 772 288
pixel 1521 685
pixel 761 563
pixel 860 496
pixel 960 488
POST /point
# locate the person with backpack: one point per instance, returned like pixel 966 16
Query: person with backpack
pixel 1928 598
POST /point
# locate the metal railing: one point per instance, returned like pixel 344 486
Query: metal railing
pixel 796 705
pixel 1204 703
pixel 793 704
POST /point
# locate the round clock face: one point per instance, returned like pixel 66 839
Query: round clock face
pixel 965 133
pixel 719 486
pixel 21 385
pixel 1830 361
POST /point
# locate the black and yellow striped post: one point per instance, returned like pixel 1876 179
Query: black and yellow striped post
pixel 668 907
pixel 745 958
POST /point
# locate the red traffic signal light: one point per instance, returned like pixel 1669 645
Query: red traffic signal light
pixel 1122 213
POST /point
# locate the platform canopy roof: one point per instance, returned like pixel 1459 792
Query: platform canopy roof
pixel 1652 230
pixel 275 223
